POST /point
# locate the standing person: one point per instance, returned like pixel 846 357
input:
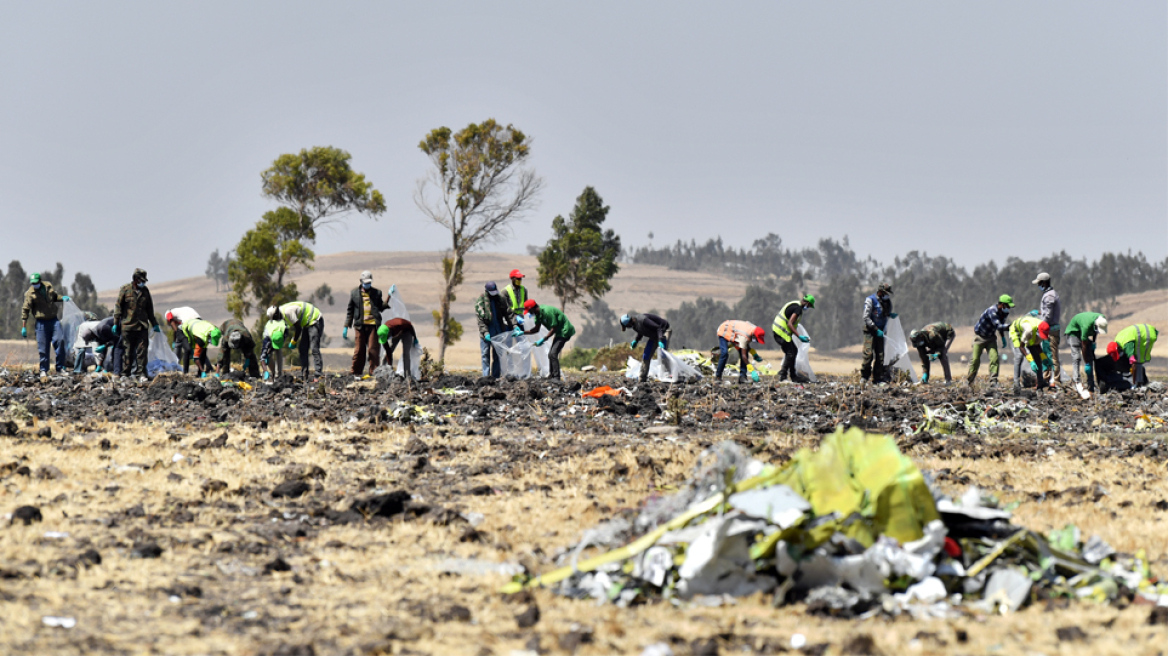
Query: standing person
pixel 495 318
pixel 990 326
pixel 366 304
pixel 1027 333
pixel 1134 343
pixel 654 329
pixel 740 334
pixel 134 315
pixel 271 355
pixel 236 337
pixel 96 335
pixel 398 331
pixel 202 335
pixel 307 325
pixel 932 343
pixel 560 330
pixel 1081 332
pixel 40 301
pixel 175 318
pixel 877 312
pixel 786 330
pixel 516 293
pixel 1050 310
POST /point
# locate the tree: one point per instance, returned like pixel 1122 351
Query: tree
pixel 322 295
pixel 217 268
pixel 476 188
pixel 85 295
pixel 314 188
pixel 264 256
pixel 579 259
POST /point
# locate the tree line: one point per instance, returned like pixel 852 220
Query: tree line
pixel 14 283
pixel 925 288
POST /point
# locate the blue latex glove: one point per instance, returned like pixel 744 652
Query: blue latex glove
pixel 345 333
pixel 517 332
pixel 64 298
pixel 97 370
pixel 24 331
pixel 893 315
pixel 519 319
pixel 1088 368
pixel 934 356
pixel 1004 343
pixel 661 345
pixel 392 289
pixel 203 374
pixel 267 375
pixel 879 333
pixel 114 330
pixel 486 340
pixel 157 329
pixel 539 342
pixel 757 357
pixel 754 376
pixel 924 378
pixel 101 347
pixel 805 339
pixel 633 344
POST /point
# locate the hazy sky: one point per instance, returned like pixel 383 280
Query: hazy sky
pixel 133 134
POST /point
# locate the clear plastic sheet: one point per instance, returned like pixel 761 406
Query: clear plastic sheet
pixel 159 357
pixel 515 354
pixel 415 363
pixel 666 368
pixel 803 358
pixel 396 308
pixel 71 319
pixel 896 349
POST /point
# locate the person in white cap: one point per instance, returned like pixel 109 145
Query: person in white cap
pixel 366 304
pixel 175 318
pixel 1050 310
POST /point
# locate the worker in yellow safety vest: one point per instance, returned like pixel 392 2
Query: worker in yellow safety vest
pixel 1135 344
pixel 786 330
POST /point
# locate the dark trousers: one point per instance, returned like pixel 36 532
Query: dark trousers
pixel 554 355
pixel 310 343
pixel 406 339
pixel 134 359
pixel 46 331
pixel 873 364
pixel 182 349
pixel 490 357
pixel 651 347
pixel 790 352
pixel 115 357
pixel 1020 362
pixel 247 349
pixel 367 347
pixel 724 344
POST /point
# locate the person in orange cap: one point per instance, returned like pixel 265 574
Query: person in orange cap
pixel 516 293
pixel 740 334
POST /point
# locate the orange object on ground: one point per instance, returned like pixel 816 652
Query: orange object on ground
pixel 601 391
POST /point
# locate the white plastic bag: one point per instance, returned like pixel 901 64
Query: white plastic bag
pixel 540 353
pixel 396 308
pixel 665 367
pixel 514 354
pixel 159 357
pixel 415 363
pixel 896 349
pixel 71 319
pixel 803 357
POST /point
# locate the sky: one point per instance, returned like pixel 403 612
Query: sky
pixel 133 134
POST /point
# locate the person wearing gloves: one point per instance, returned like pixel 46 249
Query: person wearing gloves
pixel 96 335
pixel 1050 310
pixel 516 293
pixel 398 331
pixel 1027 334
pixel 740 334
pixel 654 329
pixel 560 330
pixel 307 325
pixel 495 318
pixel 1134 345
pixel 236 337
pixel 201 335
pixel 785 328
pixel 271 355
pixel 1081 333
pixel 134 316
pixel 990 326
pixel 366 304
pixel 932 343
pixel 175 318
pixel 40 304
pixel 877 312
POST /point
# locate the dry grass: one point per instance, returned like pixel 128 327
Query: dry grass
pixel 362 588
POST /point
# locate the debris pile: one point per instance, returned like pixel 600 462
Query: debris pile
pixel 853 529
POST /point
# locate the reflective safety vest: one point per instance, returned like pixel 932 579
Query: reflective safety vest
pixel 516 299
pixel 271 326
pixel 1020 326
pixel 1144 337
pixel 780 324
pixel 309 313
pixel 202 331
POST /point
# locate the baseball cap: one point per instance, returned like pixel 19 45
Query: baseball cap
pixel 515 274
pixel 366 276
pixel 1007 299
pixel 492 288
pixel 34 278
pixel 529 305
pixel 1042 277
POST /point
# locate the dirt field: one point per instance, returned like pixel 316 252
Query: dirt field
pixel 188 518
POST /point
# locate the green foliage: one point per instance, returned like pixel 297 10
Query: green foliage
pixel 319 184
pixel 85 296
pixel 601 326
pixel 475 189
pixel 322 295
pixel 578 357
pixel 264 257
pixel 580 259
pixel 759 306
pixel 695 325
pixel 14 283
pixel 614 357
pixel 453 327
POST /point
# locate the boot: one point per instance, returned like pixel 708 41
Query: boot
pixel 644 378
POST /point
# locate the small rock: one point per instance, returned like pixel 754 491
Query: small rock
pixel 528 618
pixel 48 473
pixel 455 613
pixel 45 432
pixel 303 472
pixel 27 514
pixel 1159 616
pixel 89 557
pixel 1070 634
pixel 146 550
pixel 277 565
pixel 213 485
pixel 290 489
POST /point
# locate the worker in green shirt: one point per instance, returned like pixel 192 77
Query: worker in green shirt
pixel 560 330
pixel 1081 333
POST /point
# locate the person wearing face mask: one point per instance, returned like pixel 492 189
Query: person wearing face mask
pixel 236 337
pixel 1050 311
pixel 133 317
pixel 495 318
pixel 40 301
pixel 989 327
pixel 877 312
pixel 366 304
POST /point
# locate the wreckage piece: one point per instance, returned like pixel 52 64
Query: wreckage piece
pixel 778 504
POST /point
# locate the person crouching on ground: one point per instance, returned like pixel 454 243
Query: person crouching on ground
pixel 932 343
pixel 740 334
pixel 560 330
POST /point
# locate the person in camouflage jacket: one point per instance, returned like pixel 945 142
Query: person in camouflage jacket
pixel 133 316
pixel 495 318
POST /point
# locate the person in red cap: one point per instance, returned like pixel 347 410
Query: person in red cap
pixel 560 330
pixel 1134 345
pixel 740 334
pixel 516 293
pixel 175 318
